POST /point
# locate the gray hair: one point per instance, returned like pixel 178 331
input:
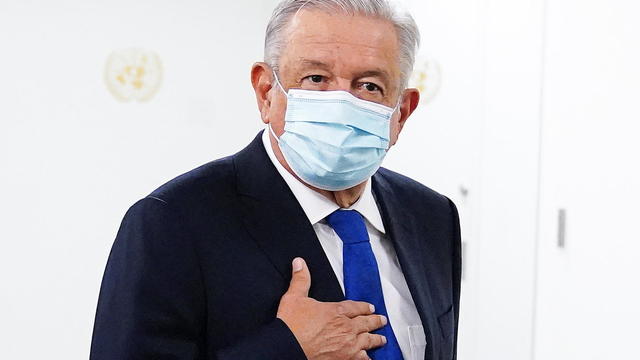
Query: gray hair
pixel 406 28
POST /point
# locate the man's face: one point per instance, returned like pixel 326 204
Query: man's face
pixel 357 54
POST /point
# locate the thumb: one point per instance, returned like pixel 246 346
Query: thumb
pixel 300 278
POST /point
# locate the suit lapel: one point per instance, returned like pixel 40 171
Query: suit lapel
pixel 277 222
pixel 411 250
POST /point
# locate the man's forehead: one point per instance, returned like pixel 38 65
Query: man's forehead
pixel 318 39
pixel 320 26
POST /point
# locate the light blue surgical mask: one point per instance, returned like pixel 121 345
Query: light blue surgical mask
pixel 333 140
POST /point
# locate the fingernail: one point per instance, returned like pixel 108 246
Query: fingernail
pixel 384 339
pixel 372 308
pixel 384 320
pixel 297 264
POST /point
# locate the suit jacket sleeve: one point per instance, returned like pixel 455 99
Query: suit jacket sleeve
pixel 152 302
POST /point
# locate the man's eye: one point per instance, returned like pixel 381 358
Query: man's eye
pixel 315 78
pixel 371 87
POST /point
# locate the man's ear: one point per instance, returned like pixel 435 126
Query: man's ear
pixel 410 100
pixel 262 82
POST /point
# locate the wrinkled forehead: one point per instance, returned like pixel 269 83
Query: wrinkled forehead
pixel 340 39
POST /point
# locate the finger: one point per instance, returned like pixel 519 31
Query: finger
pixel 368 341
pixel 351 309
pixel 368 323
pixel 362 355
pixel 300 278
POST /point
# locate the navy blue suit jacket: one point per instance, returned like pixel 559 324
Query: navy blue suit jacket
pixel 198 266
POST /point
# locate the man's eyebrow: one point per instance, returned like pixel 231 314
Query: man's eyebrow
pixel 374 73
pixel 379 73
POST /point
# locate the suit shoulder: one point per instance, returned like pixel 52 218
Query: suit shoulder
pixel 214 179
pixel 411 191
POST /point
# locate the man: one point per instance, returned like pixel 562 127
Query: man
pixel 298 246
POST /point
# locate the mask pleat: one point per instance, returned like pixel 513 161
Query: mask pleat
pixel 333 140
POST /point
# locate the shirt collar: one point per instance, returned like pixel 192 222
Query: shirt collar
pixel 315 205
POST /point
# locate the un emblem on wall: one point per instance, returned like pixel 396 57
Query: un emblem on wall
pixel 133 74
pixel 426 77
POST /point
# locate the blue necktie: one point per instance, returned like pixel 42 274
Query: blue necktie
pixel 361 276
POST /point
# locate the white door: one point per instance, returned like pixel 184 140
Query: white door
pixel 588 290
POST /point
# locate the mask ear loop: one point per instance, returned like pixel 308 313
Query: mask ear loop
pixel 273 133
pixel 398 103
pixel 393 113
pixel 275 76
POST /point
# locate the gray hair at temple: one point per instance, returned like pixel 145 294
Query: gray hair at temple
pixel 406 28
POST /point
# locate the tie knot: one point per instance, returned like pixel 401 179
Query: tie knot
pixel 349 225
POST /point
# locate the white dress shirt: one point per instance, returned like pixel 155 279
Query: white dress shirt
pixel 401 309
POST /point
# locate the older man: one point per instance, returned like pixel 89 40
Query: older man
pixel 299 246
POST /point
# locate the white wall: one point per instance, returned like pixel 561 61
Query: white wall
pixel 481 133
pixel 441 144
pixel 73 159
pixel 536 113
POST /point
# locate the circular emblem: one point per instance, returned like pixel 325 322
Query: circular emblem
pixel 133 74
pixel 426 77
